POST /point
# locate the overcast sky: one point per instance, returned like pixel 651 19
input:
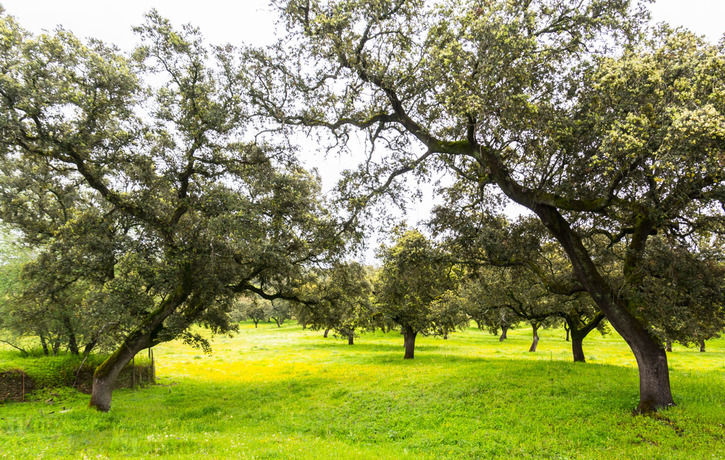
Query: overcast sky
pixel 252 22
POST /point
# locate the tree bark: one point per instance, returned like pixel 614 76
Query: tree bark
pixel 409 342
pixel 702 345
pixel 44 345
pixel 504 330
pixel 577 348
pixel 326 332
pixel 72 342
pixel 535 327
pixel 668 345
pixel 351 339
pixel 142 337
pixel 654 377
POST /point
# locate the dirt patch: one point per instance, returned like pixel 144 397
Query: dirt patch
pixel 14 385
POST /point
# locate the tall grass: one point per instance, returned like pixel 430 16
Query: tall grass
pixel 287 393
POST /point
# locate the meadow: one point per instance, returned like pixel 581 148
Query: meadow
pixel 290 393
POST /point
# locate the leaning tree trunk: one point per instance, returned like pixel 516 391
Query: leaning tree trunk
pixel 44 345
pixel 654 376
pixel 504 330
pixel 409 342
pixel 535 327
pixel 104 378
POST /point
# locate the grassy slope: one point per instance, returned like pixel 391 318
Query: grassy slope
pixel 288 393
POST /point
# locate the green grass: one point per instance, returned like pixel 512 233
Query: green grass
pixel 289 393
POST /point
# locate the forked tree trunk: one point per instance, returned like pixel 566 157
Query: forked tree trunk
pixel 535 328
pixel 578 332
pixel 504 330
pixel 409 342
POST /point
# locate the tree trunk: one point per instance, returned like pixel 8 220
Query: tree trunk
pixel 44 344
pixel 578 331
pixel 327 331
pixel 351 339
pixel 409 342
pixel 535 327
pixel 504 330
pixel 256 323
pixel 144 336
pixel 668 345
pixel 702 345
pixel 577 347
pixel 567 329
pixel 654 377
pixel 56 347
pixel 89 347
pixel 72 342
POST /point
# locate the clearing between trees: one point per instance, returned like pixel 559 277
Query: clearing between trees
pixel 272 392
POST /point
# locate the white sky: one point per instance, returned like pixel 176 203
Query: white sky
pixel 252 22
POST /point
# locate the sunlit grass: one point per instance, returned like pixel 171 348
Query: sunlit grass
pixel 289 393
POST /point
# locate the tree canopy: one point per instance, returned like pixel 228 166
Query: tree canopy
pixel 572 109
pixel 138 179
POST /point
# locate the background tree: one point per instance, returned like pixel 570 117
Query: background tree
pixel 191 213
pixel 565 109
pixel 339 300
pixel 415 275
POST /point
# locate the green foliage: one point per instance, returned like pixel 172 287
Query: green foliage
pixel 138 179
pixel 284 392
pixel 412 285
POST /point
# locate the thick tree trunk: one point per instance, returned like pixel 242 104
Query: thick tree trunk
pixel 504 330
pixel 654 377
pixel 142 337
pixel 351 339
pixel 702 345
pixel 668 345
pixel 409 342
pixel 535 328
pixel 577 348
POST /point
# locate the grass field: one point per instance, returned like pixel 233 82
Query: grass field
pixel 287 393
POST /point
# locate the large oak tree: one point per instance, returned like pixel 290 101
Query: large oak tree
pixel 143 169
pixel 565 107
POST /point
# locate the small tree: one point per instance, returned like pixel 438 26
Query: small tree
pixel 414 278
pixel 340 301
